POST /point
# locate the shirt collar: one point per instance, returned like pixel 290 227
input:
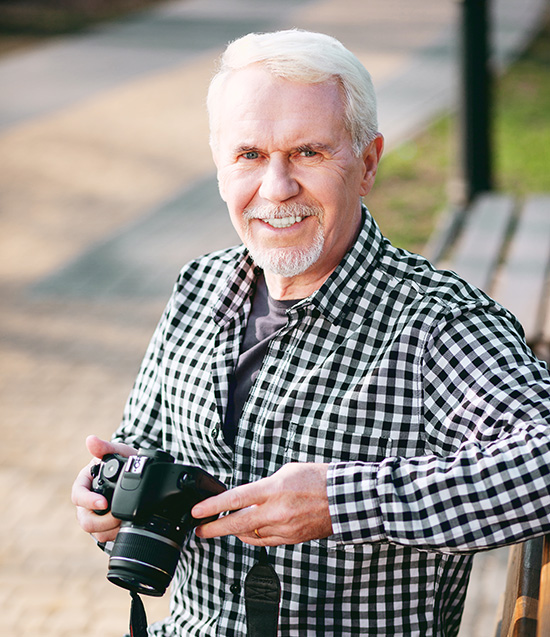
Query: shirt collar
pixel 335 297
pixel 237 288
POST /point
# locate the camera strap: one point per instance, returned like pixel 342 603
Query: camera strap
pixel 262 594
pixel 138 618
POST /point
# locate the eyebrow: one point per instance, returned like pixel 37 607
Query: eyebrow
pixel 245 148
pixel 316 146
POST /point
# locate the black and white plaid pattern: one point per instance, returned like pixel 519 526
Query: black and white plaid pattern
pixel 417 389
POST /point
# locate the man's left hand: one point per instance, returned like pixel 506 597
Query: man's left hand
pixel 289 507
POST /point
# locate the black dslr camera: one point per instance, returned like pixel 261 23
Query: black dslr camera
pixel 153 496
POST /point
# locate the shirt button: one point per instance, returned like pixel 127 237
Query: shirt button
pixel 235 588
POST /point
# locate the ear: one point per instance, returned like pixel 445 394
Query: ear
pixel 371 159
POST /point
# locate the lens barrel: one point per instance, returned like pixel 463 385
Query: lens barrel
pixel 144 557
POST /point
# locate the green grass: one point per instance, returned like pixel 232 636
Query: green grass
pixel 522 122
pixel 411 187
pixel 413 183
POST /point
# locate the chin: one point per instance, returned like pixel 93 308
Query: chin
pixel 287 262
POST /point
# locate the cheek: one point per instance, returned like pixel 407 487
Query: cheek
pixel 236 195
pixel 238 224
pixel 223 185
pixel 236 189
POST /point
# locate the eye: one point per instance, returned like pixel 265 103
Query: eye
pixel 251 154
pixel 307 152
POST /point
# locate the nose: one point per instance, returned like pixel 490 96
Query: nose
pixel 278 183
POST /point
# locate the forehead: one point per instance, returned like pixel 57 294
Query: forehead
pixel 254 102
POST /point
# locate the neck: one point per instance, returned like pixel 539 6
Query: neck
pixel 295 288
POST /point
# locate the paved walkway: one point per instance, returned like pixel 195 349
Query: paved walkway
pixel 106 189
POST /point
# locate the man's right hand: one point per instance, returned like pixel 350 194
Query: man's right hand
pixel 104 528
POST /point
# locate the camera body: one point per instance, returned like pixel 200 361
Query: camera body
pixel 153 496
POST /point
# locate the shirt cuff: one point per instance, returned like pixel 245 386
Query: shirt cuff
pixel 354 505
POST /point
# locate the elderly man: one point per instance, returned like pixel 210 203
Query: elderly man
pixel 377 420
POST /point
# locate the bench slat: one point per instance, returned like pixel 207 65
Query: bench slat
pixel 479 248
pixel 543 625
pixel 522 282
pixel 519 617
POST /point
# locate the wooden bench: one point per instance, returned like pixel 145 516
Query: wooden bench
pixel 503 247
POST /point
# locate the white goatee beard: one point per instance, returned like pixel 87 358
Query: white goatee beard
pixel 285 262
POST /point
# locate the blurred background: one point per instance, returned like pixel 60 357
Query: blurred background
pixel 107 188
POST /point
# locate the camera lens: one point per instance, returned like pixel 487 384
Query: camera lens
pixel 144 557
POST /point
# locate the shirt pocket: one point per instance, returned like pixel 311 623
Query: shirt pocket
pixel 309 440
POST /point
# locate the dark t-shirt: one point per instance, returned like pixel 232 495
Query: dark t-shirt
pixel 266 318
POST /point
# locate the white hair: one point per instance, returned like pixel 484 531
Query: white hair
pixel 310 58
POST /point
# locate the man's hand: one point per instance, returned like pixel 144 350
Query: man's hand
pixel 103 527
pixel 289 507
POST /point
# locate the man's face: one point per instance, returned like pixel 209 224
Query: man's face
pixel 288 172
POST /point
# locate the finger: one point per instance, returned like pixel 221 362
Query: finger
pixel 93 523
pixel 235 499
pixel 82 495
pixel 238 522
pixel 252 525
pixel 264 536
pixel 103 527
pixel 98 447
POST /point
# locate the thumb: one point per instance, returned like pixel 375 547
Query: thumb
pixel 98 447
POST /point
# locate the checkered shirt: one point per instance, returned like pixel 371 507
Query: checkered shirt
pixel 417 389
